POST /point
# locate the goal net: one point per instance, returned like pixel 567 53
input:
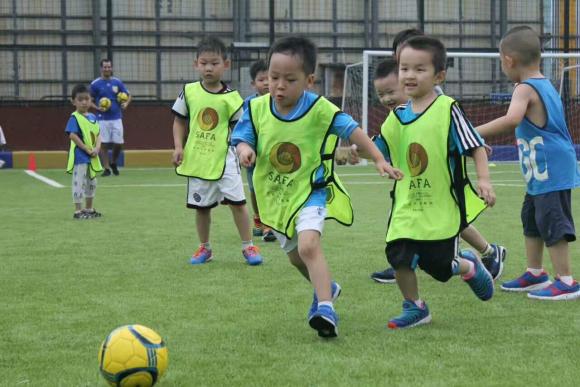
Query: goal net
pixel 477 82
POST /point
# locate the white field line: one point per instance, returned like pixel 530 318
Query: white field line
pixel 44 179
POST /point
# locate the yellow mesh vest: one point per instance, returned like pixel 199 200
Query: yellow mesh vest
pixel 90 131
pixel 288 153
pixel 428 203
pixel 205 151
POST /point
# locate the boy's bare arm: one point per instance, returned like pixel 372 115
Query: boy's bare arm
pixel 79 143
pixel 366 146
pixel 179 128
pixel 515 114
pixel 484 187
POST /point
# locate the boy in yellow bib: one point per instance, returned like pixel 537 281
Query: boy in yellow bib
pixel 291 135
pixel 427 139
pixel 83 156
pixel 208 108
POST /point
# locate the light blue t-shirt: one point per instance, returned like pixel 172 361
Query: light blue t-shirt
pixel 108 88
pixel 72 126
pixel 343 126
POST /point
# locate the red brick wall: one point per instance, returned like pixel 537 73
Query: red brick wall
pixel 42 127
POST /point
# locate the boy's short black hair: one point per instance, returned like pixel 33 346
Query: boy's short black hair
pixel 386 67
pixel 79 89
pixel 434 46
pixel 524 43
pixel 299 46
pixel 256 67
pixel 212 44
pixel 105 60
pixel 403 36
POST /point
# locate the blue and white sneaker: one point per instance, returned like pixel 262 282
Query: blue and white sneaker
pixel 527 282
pixel 335 292
pixel 481 281
pixel 557 291
pixel 325 321
pixel 412 316
pixel 494 261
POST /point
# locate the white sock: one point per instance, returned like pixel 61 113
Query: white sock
pixel 207 245
pixel 536 272
pixel 327 303
pixel 567 279
pixel 246 244
pixel 487 251
pixel 420 303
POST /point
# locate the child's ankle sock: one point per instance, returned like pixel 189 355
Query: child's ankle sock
pixel 470 272
pixel 487 251
pixel 567 279
pixel 327 303
pixel 536 272
pixel 246 244
pixel 207 245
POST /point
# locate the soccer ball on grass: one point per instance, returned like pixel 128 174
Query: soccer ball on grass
pixel 133 356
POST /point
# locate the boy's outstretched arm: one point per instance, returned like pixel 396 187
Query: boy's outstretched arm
pixel 515 114
pixel 484 187
pixel 179 128
pixel 366 147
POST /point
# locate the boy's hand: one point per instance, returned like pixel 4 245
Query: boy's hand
pixel 246 154
pixel 124 105
pixel 485 191
pixel 385 168
pixel 94 152
pixel 177 157
pixel 353 157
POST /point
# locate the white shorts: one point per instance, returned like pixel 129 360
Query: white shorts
pixel 227 190
pixel 82 185
pixel 111 131
pixel 309 218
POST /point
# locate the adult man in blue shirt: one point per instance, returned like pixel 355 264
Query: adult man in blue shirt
pixel 110 118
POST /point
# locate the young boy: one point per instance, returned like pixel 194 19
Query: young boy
pixel 390 94
pixel 259 74
pixel 427 139
pixel 83 161
pixel 548 163
pixel 207 109
pixel 291 135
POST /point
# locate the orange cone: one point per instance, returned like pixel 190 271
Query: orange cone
pixel 32 162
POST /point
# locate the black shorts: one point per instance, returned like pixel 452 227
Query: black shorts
pixel 549 216
pixel 434 257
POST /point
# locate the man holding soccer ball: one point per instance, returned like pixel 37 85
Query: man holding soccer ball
pixel 110 98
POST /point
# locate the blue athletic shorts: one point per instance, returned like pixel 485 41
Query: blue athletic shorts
pixel 549 216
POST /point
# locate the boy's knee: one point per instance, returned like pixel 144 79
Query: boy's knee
pixel 308 247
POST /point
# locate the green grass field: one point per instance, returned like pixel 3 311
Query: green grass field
pixel 65 284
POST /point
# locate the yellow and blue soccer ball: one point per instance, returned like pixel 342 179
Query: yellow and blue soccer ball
pixel 105 103
pixel 122 97
pixel 133 356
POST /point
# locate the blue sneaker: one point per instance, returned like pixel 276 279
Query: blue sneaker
pixel 494 261
pixel 335 292
pixel 527 282
pixel 481 282
pixel 201 255
pixel 412 316
pixel 325 321
pixel 252 255
pixel 386 276
pixel 557 291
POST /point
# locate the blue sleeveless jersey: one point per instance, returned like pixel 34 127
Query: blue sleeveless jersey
pixel 547 155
